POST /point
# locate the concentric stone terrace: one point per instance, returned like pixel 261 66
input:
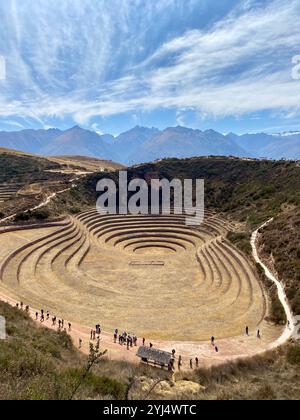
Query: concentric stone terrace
pixel 7 191
pixel 151 275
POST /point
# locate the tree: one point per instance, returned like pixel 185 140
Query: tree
pixel 94 358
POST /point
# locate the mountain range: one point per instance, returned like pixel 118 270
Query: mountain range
pixel 142 144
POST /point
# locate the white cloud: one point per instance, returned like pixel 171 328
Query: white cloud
pixel 241 65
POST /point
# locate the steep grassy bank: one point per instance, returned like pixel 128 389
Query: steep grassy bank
pixel 280 243
pixel 38 363
pixel 18 168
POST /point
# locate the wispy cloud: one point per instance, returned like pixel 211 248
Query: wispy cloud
pixel 82 59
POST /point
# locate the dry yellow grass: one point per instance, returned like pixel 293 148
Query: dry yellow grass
pixel 150 275
pixel 88 164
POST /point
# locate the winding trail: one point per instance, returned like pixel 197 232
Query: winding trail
pixel 43 203
pixel 290 327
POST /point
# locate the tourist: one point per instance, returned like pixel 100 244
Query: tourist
pixel 171 366
pixel 191 363
pixel 17 306
pixel 212 340
pixel 179 363
pixel 197 362
pixel 216 349
pixel 150 345
pixel 48 315
pixel 92 334
pixel 70 326
pixel 80 343
pixel 115 337
pixel 59 324
pixel 27 309
pixel 36 316
pixel 247 330
pixel 258 334
pixel 173 353
pixel 144 341
pixel 22 305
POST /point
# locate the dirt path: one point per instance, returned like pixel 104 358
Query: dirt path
pixel 290 327
pixel 43 203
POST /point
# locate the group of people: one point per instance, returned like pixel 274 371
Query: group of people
pixel 96 332
pixel 180 362
pixel 21 306
pixel 125 338
pixel 258 334
pixel 171 364
pixel 43 316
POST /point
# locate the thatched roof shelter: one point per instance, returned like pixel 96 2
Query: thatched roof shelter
pixel 155 356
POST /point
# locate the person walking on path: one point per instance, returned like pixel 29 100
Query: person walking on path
pixel 247 331
pixel 179 363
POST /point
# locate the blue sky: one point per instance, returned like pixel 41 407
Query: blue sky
pixel 108 65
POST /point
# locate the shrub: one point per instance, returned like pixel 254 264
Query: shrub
pixel 106 386
pixel 293 355
pixel 40 214
pixel 75 210
pixel 22 217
